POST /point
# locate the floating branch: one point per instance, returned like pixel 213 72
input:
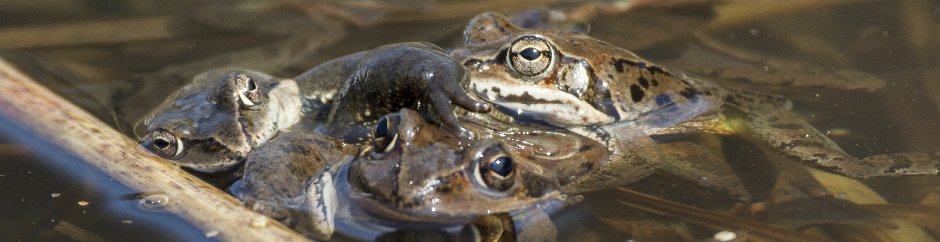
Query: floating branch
pixel 52 118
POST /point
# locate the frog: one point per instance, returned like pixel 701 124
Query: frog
pixel 301 178
pixel 212 123
pixel 566 79
pixel 415 170
pixel 357 90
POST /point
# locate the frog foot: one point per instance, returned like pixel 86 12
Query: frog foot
pixel 318 208
pixel 443 93
pixel 795 137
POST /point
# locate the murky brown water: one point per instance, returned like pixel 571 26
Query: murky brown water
pixel 892 40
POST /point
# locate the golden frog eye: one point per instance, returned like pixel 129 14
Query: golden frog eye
pixel 496 169
pixel 165 144
pixel 385 134
pixel 530 56
pixel 248 94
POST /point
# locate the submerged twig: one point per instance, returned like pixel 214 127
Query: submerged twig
pixel 87 33
pixel 77 233
pixel 738 14
pixel 59 122
pixel 752 229
pixel 13 150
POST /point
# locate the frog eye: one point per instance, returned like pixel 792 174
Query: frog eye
pixel 530 56
pixel 165 144
pixel 385 135
pixel 247 90
pixel 496 170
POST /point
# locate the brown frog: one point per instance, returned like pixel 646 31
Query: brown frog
pixel 212 123
pixel 412 173
pixel 570 80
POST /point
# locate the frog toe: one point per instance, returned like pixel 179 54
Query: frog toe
pixel 442 108
pixel 463 99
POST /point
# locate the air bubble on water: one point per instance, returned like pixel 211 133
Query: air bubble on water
pixel 153 201
pixel 754 31
pixel 725 236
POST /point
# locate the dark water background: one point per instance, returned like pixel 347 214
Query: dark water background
pixel 895 41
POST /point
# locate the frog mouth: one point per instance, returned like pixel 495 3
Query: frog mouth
pixel 544 103
pixel 208 156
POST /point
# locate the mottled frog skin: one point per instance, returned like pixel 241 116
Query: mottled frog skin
pixel 412 172
pixel 364 86
pixel 415 171
pixel 291 178
pixel 570 80
pixel 212 123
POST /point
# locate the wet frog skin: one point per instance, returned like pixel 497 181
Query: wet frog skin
pixel 212 123
pixel 415 171
pixel 365 86
pixel 411 172
pixel 570 80
pixel 291 178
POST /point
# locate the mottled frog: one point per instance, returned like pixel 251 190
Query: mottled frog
pixel 212 123
pixel 411 173
pixel 570 80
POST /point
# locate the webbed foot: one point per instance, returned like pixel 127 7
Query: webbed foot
pixel 793 136
pixel 445 92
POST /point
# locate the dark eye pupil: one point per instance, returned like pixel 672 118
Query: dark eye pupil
pixel 530 53
pixel 161 143
pixel 501 165
pixel 251 85
pixel 381 128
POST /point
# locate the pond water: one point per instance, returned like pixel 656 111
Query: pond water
pixel 118 59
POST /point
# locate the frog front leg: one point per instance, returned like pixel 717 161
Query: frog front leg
pixel 406 75
pixel 790 134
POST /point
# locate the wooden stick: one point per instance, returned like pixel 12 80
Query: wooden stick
pixel 58 121
pixel 746 12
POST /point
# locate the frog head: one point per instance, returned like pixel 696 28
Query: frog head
pixel 212 123
pixel 563 78
pixel 414 171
